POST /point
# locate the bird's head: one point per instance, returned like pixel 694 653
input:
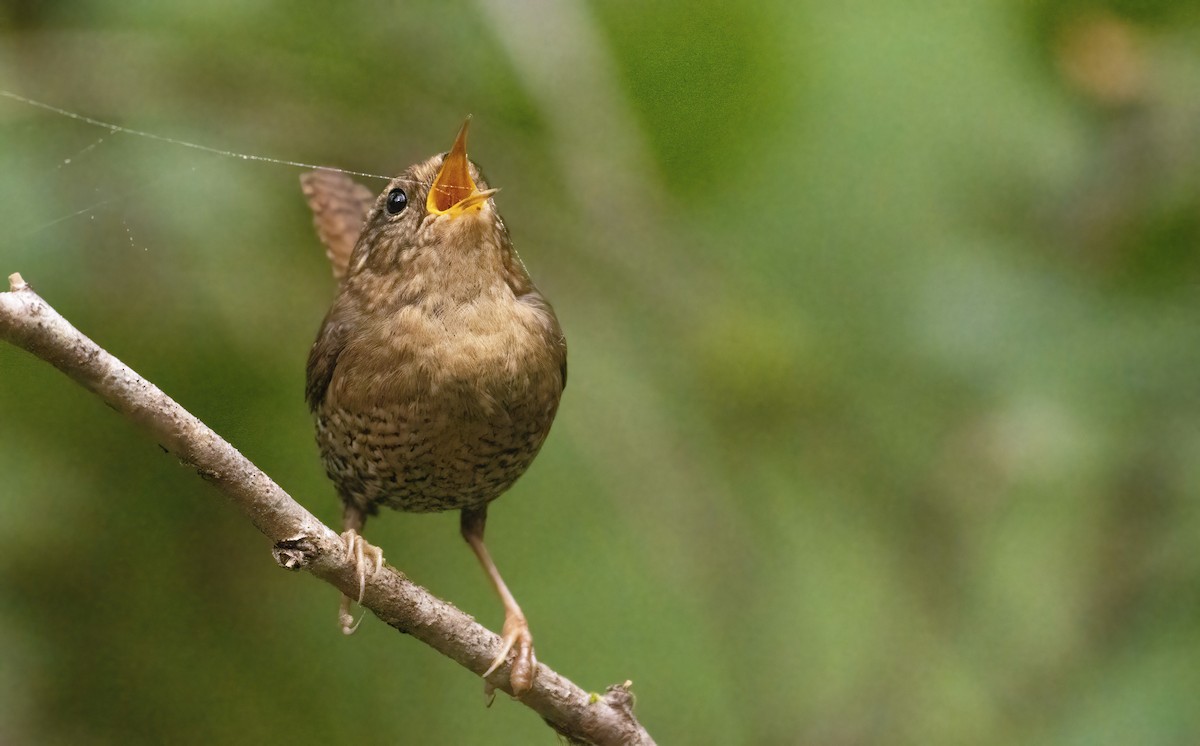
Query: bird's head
pixel 436 228
pixel 441 207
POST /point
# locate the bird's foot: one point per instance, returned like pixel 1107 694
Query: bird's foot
pixel 517 639
pixel 358 550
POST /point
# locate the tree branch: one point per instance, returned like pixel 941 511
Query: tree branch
pixel 300 540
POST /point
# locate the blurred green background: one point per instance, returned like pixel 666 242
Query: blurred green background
pixel 884 319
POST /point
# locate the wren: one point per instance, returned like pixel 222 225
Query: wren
pixel 438 369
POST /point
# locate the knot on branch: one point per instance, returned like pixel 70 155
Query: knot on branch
pixel 620 697
pixel 296 553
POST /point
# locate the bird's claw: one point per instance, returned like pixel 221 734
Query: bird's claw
pixel 357 550
pixel 517 639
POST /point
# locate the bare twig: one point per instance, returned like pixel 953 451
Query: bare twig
pixel 300 540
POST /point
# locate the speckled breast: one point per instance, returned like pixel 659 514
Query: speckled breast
pixel 452 448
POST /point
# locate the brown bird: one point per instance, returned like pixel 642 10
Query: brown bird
pixel 438 370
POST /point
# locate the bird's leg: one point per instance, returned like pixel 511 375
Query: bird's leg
pixel 357 548
pixel 516 636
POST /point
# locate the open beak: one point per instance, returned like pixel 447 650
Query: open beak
pixel 454 192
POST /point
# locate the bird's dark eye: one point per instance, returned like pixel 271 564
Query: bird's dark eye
pixel 397 200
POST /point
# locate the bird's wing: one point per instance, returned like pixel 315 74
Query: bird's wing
pixel 339 206
pixel 323 357
pixel 555 339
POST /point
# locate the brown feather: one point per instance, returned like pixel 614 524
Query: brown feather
pixel 339 206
